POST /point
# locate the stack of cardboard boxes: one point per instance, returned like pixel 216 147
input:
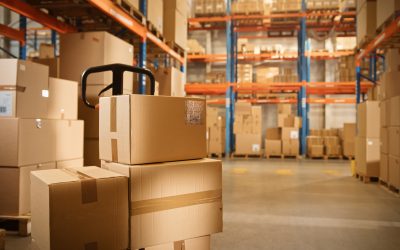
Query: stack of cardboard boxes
pixel 244 73
pixel 315 146
pixel 385 8
pixel 346 69
pixel 274 74
pixel 171 81
pixel 79 51
pixel 248 7
pixel 349 139
pixel 322 4
pixel 273 142
pixel 194 47
pixel 39 129
pixel 290 125
pixel 154 177
pixel 366 20
pixel 367 152
pixel 286 5
pixel 247 129
pixel 390 120
pixel 175 21
pixel 215 131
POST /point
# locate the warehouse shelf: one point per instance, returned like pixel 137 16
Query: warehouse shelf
pixel 88 15
pixel 289 100
pixel 14 34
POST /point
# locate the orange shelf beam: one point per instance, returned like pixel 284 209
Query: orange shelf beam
pixel 13 34
pixel 39 16
pixel 290 100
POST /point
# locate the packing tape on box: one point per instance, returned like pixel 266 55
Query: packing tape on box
pixel 171 202
pixel 88 185
pixel 179 245
pixel 12 88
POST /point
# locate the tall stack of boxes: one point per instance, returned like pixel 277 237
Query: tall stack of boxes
pixel 175 22
pixel 273 142
pixel 40 130
pixel 215 131
pixel 247 129
pixel 290 125
pixel 346 69
pixel 366 20
pixel 390 120
pixel 244 73
pixel 79 51
pixel 367 152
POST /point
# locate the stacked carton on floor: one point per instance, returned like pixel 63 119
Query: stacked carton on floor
pixel 215 131
pixel 290 125
pixel 349 136
pixel 273 142
pixel 38 117
pixel 247 129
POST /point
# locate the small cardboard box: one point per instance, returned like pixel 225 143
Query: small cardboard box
pixel 27 141
pixel 69 139
pixel 77 208
pixel 23 89
pixel 273 147
pixel 394 141
pixel 46 51
pixel 394 171
pixel 138 129
pixel 63 99
pixel 290 147
pixel 367 122
pixel 193 200
pixel 248 144
pixel 15 188
pixel 367 156
pixel 384 168
pixel 290 133
pixel 200 243
pixel 171 81
pixel 69 163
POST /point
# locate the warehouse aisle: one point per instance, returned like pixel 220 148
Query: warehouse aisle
pixel 306 204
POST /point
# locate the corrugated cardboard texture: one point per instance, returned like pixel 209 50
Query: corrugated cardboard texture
pixel 69 139
pixel 15 191
pixel 79 208
pixel 63 99
pixel 290 147
pixel 91 152
pixel 26 141
pixel 52 63
pixel 153 129
pixel 152 184
pixel 367 119
pixel 21 86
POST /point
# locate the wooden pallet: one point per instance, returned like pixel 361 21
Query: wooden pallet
pixel 178 49
pixel 316 157
pixel 291 157
pixel 195 53
pixel 131 10
pixel 246 156
pixel 155 31
pixel 331 157
pixel 24 223
pixel 389 188
pixel 274 156
pixel 216 155
pixel 366 179
pixel 347 157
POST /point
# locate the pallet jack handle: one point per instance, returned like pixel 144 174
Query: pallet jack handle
pixel 117 84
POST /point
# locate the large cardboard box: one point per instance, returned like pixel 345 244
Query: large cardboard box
pixel 138 129
pixel 349 132
pixel 179 5
pixel 394 171
pixel 70 163
pixel 366 21
pixel 389 84
pixel 290 147
pixel 175 26
pixel 27 141
pixel 273 134
pixel 384 168
pixel 290 133
pixel 63 99
pixel 385 113
pixel 248 144
pixel 385 9
pixel 170 81
pixel 285 109
pixel 367 156
pixel 79 51
pixel 157 205
pixel 69 139
pixel 394 141
pixel 91 152
pixel 316 150
pixel 367 123
pixel 77 208
pixel 242 108
pixel 23 89
pixel 199 243
pixel 392 58
pixel 52 63
pixel 394 119
pixel 349 148
pixel 15 188
pixel 155 13
pixel 385 140
pixel 273 147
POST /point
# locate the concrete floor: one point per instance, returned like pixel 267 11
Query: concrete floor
pixel 307 204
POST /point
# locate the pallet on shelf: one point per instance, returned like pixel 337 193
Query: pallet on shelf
pixel 366 179
pixel 155 31
pixel 178 49
pixel 390 188
pixel 131 10
pixel 24 223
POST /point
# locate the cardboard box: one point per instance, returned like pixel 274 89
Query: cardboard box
pixel 70 163
pixel 392 59
pixel 273 147
pixel 384 168
pixel 290 133
pixel 15 188
pixel 316 150
pixel 331 140
pixel 366 21
pixel 46 51
pixel 394 141
pixel 83 202
pixel 385 9
pixel 394 171
pixel 171 81
pixel 138 129
pixel 349 148
pixel 175 27
pixel 385 113
pixel 290 147
pixel 248 144
pixel 91 152
pixel 389 83
pixel 367 122
pixel 367 156
pixel 179 5
pixel 242 108
pixel 69 139
pixel 349 132
pixel 273 134
pixel 26 141
pixel 282 120
pixel 385 140
pixel 394 119
pixel 333 150
pixel 79 51
pixel 52 63
pixel 315 140
pixel 200 243
pixel 23 89
pixel 193 200
pixel 155 13
pixel 63 99
pixel 285 109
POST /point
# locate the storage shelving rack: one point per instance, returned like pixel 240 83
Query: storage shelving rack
pixel 88 15
pixel 303 56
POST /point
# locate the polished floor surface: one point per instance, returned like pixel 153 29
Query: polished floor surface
pixel 299 204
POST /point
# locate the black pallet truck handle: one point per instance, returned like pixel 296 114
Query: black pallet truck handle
pixel 117 84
